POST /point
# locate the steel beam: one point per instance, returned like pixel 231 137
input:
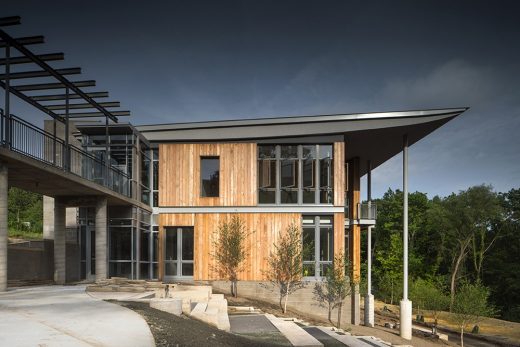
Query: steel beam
pixel 21 41
pixel 26 60
pixel 43 86
pixel 32 102
pixel 96 114
pixel 14 20
pixel 41 73
pixel 53 97
pixel 82 105
pixel 46 67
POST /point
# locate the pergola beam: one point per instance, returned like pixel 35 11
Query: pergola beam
pixel 95 114
pixel 53 97
pixel 28 40
pixel 6 21
pixel 81 106
pixel 40 73
pixel 26 60
pixel 43 86
pixel 12 42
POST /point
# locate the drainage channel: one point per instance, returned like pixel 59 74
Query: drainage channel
pixel 327 340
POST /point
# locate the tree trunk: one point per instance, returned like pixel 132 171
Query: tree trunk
pixel 339 314
pixel 462 337
pixel 460 258
pixel 286 297
pixel 330 313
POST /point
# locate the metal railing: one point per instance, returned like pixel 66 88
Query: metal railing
pixel 365 210
pixel 23 137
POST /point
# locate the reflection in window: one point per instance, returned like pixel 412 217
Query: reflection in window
pixel 318 245
pixel 267 181
pixel 209 176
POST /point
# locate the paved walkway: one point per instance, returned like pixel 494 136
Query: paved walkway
pixel 67 316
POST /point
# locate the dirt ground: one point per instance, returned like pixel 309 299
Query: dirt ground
pixel 171 331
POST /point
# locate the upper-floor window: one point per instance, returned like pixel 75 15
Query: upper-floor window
pixel 295 174
pixel 209 176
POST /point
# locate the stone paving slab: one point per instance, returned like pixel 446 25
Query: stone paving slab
pixel 251 324
pixel 295 334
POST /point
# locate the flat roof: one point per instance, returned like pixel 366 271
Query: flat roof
pixel 375 136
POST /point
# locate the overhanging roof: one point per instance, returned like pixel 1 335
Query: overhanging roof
pixel 369 136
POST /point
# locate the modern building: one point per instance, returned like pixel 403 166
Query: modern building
pixel 144 202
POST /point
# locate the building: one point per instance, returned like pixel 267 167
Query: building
pixel 144 202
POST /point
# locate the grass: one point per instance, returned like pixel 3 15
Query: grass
pixel 24 234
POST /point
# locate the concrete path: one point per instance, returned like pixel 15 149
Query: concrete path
pixel 67 316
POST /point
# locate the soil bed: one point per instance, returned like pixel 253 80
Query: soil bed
pixel 170 330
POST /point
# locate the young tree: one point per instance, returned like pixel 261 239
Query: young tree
pixel 471 304
pixel 428 295
pixel 334 289
pixel 285 264
pixel 230 250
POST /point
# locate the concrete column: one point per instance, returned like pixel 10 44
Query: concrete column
pixel 101 239
pixel 355 299
pixel 369 298
pixel 4 187
pixel 59 242
pixel 48 218
pixel 405 305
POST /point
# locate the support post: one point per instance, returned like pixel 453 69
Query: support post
pixel 3 225
pixel 405 305
pixel 369 298
pixel 59 241
pixel 101 239
pixel 66 163
pixel 354 238
pixel 107 155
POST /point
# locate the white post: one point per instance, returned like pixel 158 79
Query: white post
pixel 369 298
pixel 405 305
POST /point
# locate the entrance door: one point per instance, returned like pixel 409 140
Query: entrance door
pixel 88 252
pixel 178 253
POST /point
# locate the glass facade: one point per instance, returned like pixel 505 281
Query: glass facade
pixel 295 174
pixel 318 245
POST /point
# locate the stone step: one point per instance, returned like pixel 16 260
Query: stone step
pixel 357 341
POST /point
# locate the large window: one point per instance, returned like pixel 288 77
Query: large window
pixel 318 245
pixel 295 174
pixel 209 176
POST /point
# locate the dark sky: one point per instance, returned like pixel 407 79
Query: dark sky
pixel 191 61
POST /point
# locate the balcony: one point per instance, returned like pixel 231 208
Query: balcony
pixel 366 213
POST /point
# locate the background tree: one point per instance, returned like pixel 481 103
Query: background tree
pixel 470 306
pixel 230 250
pixel 25 210
pixel 335 287
pixel 285 264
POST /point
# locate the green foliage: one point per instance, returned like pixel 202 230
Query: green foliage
pixel 285 264
pixel 230 250
pixel 471 305
pixel 428 294
pixel 472 235
pixel 332 290
pixel 25 213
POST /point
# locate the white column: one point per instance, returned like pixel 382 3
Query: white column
pixel 405 305
pixel 369 298
pixel 101 239
pixel 3 225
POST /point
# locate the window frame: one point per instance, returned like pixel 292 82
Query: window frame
pixel 317 225
pixel 211 157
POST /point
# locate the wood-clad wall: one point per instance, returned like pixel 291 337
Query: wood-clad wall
pixel 266 227
pixel 354 196
pixel 339 174
pixel 179 174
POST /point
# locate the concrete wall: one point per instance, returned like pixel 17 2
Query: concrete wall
pixel 302 300
pixel 37 262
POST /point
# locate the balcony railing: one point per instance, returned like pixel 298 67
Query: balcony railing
pixel 364 210
pixel 22 137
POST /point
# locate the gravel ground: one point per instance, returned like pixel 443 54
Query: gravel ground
pixel 170 330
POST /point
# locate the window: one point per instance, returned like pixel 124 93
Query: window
pixel 209 176
pixel 318 245
pixel 295 174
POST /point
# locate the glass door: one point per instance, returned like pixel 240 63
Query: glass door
pixel 88 252
pixel 178 255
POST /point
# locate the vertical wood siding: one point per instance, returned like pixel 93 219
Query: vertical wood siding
pixel 179 174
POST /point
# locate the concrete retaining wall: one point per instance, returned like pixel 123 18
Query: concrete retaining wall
pixel 302 300
pixel 36 263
